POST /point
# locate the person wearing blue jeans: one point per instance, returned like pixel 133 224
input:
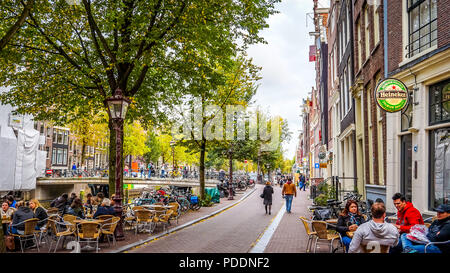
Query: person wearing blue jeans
pixel 288 192
pixel 348 221
pixel 439 231
pixel 412 247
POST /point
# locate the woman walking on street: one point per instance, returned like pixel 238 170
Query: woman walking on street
pixel 267 195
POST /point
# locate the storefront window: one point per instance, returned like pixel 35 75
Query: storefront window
pixel 440 167
pixel 440 102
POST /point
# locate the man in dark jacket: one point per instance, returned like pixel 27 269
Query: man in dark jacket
pixel 439 231
pixel 105 208
pixel 60 203
pixel 22 213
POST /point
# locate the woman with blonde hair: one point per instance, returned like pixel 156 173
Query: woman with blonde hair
pixel 39 212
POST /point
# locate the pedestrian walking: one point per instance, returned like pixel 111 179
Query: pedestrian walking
pixel 302 182
pixel 288 192
pixel 267 195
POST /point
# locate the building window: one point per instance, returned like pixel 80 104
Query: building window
pixel 54 135
pixel 42 129
pixel 49 131
pixel 376 25
pixel 422 16
pixel 359 39
pixel 439 167
pixel 66 137
pixel 367 31
pixel 53 156
pixel 407 116
pixel 440 102
pixel 47 149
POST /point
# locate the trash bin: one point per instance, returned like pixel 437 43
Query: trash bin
pixel 214 193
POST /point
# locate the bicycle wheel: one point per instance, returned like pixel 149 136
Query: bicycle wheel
pixel 195 206
pixel 184 205
pixel 242 186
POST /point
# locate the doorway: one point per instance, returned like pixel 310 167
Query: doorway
pixel 406 167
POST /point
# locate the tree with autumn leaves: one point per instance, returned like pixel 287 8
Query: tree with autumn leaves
pixel 67 59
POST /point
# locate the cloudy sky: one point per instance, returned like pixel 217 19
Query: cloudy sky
pixel 287 74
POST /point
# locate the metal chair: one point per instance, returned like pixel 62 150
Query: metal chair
pixel 29 233
pixel 323 234
pixel 436 243
pixel 311 234
pixel 164 219
pixel 108 229
pixel 176 211
pixel 88 232
pixel 144 218
pixel 58 232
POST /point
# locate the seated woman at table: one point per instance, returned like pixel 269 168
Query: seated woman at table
pixel 22 213
pixel 39 212
pixel 76 208
pixel 349 220
pixel 7 211
pixel 105 208
pixel 89 201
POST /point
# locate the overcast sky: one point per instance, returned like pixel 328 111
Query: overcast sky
pixel 287 74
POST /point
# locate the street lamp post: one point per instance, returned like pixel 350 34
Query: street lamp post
pixel 172 144
pixel 230 182
pixel 118 106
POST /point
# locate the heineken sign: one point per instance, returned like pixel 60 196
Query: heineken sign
pixel 391 95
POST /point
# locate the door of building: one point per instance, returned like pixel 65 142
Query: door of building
pixel 406 167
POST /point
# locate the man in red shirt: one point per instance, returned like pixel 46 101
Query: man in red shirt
pixel 407 216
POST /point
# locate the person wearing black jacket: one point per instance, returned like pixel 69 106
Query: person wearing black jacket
pixel 267 195
pixel 39 212
pixel 61 203
pixel 22 213
pixel 348 221
pixel 439 231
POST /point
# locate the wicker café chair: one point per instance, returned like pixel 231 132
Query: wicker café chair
pixel 29 232
pixel 45 232
pixel 311 234
pixel 52 211
pixel 176 211
pixel 108 229
pixel 164 219
pixel 88 232
pixel 323 234
pixel 144 218
pixel 58 231
pixel 106 219
pixel 375 248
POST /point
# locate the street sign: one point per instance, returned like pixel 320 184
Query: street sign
pixel 323 165
pixel 391 95
pixel 317 165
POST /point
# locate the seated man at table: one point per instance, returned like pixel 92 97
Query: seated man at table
pixel 407 216
pixel 23 213
pixel 376 230
pixel 439 231
pixel 105 208
pixel 7 211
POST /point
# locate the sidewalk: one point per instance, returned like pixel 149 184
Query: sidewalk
pixel 290 235
pixel 131 238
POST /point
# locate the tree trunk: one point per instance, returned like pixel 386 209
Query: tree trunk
pixel 83 154
pixel 202 168
pixel 112 158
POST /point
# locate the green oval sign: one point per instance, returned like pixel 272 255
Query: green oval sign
pixel 391 95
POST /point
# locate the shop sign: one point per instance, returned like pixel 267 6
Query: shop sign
pixel 391 95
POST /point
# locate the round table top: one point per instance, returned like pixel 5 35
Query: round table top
pixel 98 221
